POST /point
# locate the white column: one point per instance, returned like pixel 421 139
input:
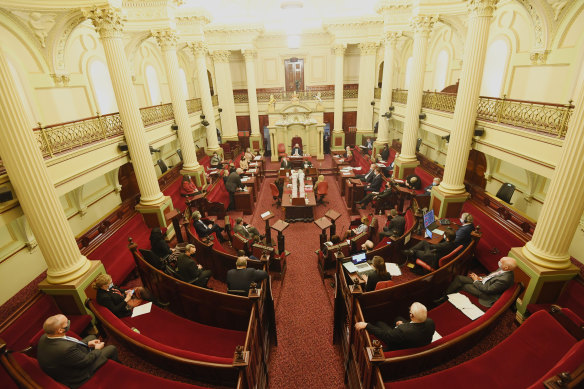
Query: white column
pixel 422 25
pixel 366 86
pixel 199 49
pixel 339 51
pixel 465 111
pixel 225 94
pixel 36 193
pixel 108 23
pixel 167 40
pixel 252 97
pixel 387 85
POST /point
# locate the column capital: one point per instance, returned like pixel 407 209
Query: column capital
pixel 368 48
pixel 339 49
pixel 249 54
pixel 422 24
pixel 221 56
pixel 167 39
pixel 482 8
pixel 391 37
pixel 108 21
pixel 199 48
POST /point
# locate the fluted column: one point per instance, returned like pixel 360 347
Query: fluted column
pixel 108 24
pixel 339 51
pixel 225 93
pixel 36 193
pixel 199 49
pixel 252 97
pixel 167 40
pixel 366 86
pixel 387 85
pixel 465 111
pixel 422 25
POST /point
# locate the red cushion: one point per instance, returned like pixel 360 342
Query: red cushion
pixel 174 191
pixel 410 219
pixel 218 193
pixel 570 362
pixel 31 366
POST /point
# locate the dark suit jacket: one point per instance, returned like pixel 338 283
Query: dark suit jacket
pixel 160 247
pixel 463 236
pixel 187 268
pixel 240 279
pixel 385 154
pixel 68 362
pixel 286 164
pixel 417 185
pixel 241 230
pixel 114 302
pixel 406 335
pixel 398 223
pixel 294 151
pixel 233 182
pixel 443 248
pixel 373 278
pixel 201 228
pixel 375 184
pixel 491 290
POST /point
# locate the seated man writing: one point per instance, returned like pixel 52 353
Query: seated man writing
pixel 415 333
pixel 191 271
pixel 428 189
pixel 431 253
pixel 70 361
pixel 489 288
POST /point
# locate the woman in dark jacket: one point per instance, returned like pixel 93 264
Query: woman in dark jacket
pixel 159 245
pixel 379 273
pixel 119 301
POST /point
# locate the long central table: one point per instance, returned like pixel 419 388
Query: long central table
pixel 299 213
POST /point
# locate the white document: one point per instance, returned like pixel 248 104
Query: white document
pixel 473 312
pixel 142 309
pixel 463 303
pixel 265 214
pixel 350 266
pixel 393 269
pixel 438 231
pixel 258 158
pixel 244 179
pixel 436 336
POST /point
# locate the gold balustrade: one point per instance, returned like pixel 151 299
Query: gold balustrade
pixel 439 101
pixel 399 96
pixel 156 114
pixel 193 105
pixel 377 93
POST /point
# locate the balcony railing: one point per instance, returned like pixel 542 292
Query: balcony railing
pixel 326 94
pixel 546 118
pixel 156 114
pixel 193 105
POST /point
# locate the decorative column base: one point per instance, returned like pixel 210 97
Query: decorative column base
pixel 155 215
pixel 71 296
pixel 377 147
pixel 541 285
pixel 338 141
pixel 403 169
pixel 446 204
pixel 198 174
pixel 256 142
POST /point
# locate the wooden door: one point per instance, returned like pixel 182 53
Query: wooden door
pixel 329 117
pixel 349 120
pixel 475 169
pixel 294 73
pixel 127 179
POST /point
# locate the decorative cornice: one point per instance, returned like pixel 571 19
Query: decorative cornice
pixel 202 17
pixel 340 49
pixel 167 39
pixel 422 24
pixel 221 56
pixel 482 8
pixel 391 5
pixel 108 21
pixel 368 48
pixel 249 54
pixel 539 57
pixel 391 37
pixel 235 28
pixel 199 48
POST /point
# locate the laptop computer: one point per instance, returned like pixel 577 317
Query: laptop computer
pixel 360 262
pixel 430 222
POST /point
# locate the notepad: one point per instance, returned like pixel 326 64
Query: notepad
pixel 438 231
pixel 265 214
pixel 350 266
pixel 393 269
pixel 257 158
pixel 463 303
pixel 142 309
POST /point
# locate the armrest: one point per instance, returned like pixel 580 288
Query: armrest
pixel 423 264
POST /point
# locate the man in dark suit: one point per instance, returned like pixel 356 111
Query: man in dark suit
pixel 247 231
pixel 204 230
pixel 189 270
pixel 463 234
pixel 431 253
pixel 395 226
pixel 368 177
pixel 385 153
pixel 297 150
pixel 285 164
pixel 415 333
pixel 413 182
pixel 392 164
pixel 232 184
pixel 489 288
pixel 428 189
pixel 372 188
pixel 70 361
pixel 241 277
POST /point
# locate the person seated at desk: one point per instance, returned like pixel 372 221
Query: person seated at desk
pixel 489 288
pixel 417 332
pixel 243 163
pixel 364 226
pixel 385 152
pixel 335 239
pixel 189 270
pixel 67 360
pixel 369 144
pixel 431 253
pixel 215 160
pixel 428 189
pixel 232 185
pixel 249 154
pixel 379 273
pixel 318 181
pixel 395 225
pixel 204 230
pixel 297 151
pixel 188 187
pixel 463 234
pixel 246 230
pixel 412 182
pixel 372 188
pixel 367 246
pixel 159 246
pixel 285 164
pixel 367 177
pixel 392 164
pixel 120 301
pixel 241 277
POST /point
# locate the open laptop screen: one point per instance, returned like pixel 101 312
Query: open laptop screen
pixel 428 218
pixel 359 258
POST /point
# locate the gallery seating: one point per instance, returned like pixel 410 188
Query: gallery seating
pixel 441 262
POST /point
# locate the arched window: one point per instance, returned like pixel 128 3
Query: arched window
pixel 102 85
pixel 409 66
pixel 441 70
pixel 153 85
pixel 495 65
pixel 183 78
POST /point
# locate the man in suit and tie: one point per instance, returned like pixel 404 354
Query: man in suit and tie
pixel 232 184
pixel 368 177
pixel 285 164
pixel 463 234
pixel 70 361
pixel 395 226
pixel 191 271
pixel 428 189
pixel 415 333
pixel 372 188
pixel 489 288
pixel 247 230
pixel 204 230
pixel 297 150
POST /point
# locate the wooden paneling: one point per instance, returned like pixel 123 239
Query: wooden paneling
pixel 243 123
pixel 294 74
pixel 349 120
pixel 329 117
pixel 127 179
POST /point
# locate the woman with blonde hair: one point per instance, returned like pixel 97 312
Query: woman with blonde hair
pixel 120 301
pixel 379 273
pixel 318 181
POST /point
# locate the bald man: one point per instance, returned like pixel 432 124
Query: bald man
pixel 70 361
pixel 489 288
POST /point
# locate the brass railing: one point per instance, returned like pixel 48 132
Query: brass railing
pixel 302 96
pixel 377 93
pixel 215 100
pixel 156 114
pixel 399 96
pixel 193 105
pixel 439 101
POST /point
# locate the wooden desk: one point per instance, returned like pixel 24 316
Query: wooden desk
pixel 354 191
pixel 244 201
pixel 280 226
pixel 343 176
pixel 323 223
pixel 267 218
pixel 436 238
pixel 333 216
pixel 251 183
pixel 301 212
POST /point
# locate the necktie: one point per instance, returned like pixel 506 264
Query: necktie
pixel 75 340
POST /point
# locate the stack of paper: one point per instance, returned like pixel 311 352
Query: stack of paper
pixel 393 269
pixel 462 302
pixel 142 309
pixel 436 336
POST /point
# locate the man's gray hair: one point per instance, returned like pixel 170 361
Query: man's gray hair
pixel 419 311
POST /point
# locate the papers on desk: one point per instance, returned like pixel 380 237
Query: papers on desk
pixel 393 269
pixel 265 214
pixel 244 179
pixel 462 302
pixel 350 266
pixel 251 171
pixel 399 181
pixel 142 309
pixel 257 158
pixel 436 336
pixel 438 231
pixel 308 188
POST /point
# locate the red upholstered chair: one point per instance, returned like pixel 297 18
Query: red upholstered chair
pixel 275 193
pixel 296 140
pixel 281 150
pixel 241 243
pixel 442 261
pixel 322 191
pixel 384 284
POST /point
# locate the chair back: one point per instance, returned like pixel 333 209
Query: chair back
pixel 240 243
pixel 322 188
pixel 298 140
pixel 274 188
pixel 281 149
pixel 506 192
pixel 243 293
pixel 384 284
pixel 162 166
pixel 447 258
